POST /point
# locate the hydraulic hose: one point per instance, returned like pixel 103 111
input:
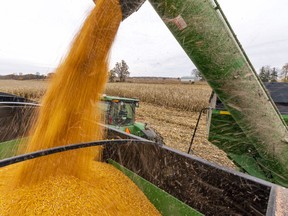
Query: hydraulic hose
pixel 41 153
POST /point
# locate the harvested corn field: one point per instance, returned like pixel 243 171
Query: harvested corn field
pixel 176 127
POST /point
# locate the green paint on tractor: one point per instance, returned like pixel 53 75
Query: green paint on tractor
pixel 8 148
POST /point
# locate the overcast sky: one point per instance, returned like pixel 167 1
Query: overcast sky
pixel 35 34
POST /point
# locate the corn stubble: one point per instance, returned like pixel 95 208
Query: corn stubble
pixel 73 183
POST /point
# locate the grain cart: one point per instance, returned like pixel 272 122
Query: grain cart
pixel 205 188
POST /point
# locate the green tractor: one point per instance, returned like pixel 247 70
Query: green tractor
pixel 120 114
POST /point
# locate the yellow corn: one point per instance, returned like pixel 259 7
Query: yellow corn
pixel 106 191
pixel 72 183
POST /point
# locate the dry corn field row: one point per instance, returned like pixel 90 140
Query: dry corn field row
pixel 32 89
pixel 184 97
pixel 165 107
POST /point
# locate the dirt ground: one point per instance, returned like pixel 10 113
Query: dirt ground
pixel 176 127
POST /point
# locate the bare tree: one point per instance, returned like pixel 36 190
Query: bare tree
pixel 265 73
pixel 274 75
pixel 112 75
pixel 37 75
pixel 198 74
pixel 121 69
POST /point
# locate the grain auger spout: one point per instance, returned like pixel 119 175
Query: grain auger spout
pixel 129 6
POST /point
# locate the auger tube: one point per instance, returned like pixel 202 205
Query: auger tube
pixel 204 34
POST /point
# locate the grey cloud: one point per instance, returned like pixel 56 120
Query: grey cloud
pixel 9 66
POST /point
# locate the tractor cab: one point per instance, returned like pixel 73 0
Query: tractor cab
pixel 120 114
pixel 120 111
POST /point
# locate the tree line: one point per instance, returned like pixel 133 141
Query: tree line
pixel 273 74
pixel 266 74
pixel 120 72
pixel 21 76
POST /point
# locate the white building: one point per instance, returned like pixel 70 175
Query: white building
pixel 189 79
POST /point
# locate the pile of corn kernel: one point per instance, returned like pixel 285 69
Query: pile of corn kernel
pixel 106 192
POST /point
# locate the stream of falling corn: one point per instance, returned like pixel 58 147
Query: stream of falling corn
pixel 73 183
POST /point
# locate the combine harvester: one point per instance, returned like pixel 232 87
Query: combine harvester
pixel 190 185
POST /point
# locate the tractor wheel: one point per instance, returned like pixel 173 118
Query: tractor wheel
pixel 153 135
pixel 157 138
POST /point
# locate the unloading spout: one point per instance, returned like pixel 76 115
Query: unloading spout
pixel 129 6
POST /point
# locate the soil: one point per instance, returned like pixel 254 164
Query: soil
pixel 176 127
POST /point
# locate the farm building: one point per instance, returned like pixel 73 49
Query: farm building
pixel 188 79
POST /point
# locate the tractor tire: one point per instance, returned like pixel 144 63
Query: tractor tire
pixel 153 135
